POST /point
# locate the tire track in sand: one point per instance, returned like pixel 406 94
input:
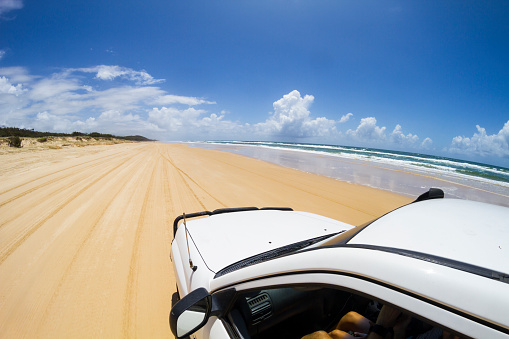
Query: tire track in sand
pixel 131 292
pixel 78 181
pixel 87 165
pixel 5 254
pixel 104 208
pixel 297 188
pixel 183 175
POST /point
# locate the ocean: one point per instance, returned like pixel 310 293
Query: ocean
pixel 400 172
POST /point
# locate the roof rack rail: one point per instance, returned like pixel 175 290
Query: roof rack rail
pixel 224 210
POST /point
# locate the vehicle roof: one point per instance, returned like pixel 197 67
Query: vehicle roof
pixel 465 231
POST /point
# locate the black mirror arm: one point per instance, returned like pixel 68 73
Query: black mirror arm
pixel 222 301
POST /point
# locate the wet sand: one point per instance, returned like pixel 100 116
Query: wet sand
pixel 382 176
pixel 85 232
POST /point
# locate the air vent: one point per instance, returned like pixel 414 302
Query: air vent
pixel 260 307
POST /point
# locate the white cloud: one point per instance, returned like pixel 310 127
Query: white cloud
pixel 177 99
pixel 369 133
pixel 2 53
pixel 107 122
pixel 12 98
pixel 17 74
pixel 426 143
pixel 121 123
pixel 398 137
pixel 368 130
pixel 8 88
pixel 56 88
pixel 194 124
pixel 105 72
pixel 345 118
pixel 123 98
pixel 9 5
pixel 291 119
pixel 49 122
pixel 483 144
pixel 173 119
pixel 117 116
pixel 109 72
pixel 66 102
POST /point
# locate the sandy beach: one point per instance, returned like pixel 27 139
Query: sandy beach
pixel 85 232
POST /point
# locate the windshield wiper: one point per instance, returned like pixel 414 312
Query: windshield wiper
pixel 272 254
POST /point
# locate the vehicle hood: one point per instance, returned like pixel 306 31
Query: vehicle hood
pixel 227 238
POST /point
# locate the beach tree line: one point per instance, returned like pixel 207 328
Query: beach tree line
pixel 14 135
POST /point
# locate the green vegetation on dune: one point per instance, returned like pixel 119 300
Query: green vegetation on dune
pixel 13 132
pixel 14 141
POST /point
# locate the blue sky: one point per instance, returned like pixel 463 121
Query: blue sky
pixel 423 76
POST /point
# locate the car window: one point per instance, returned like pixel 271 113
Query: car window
pixel 293 312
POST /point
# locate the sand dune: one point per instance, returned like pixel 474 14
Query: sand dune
pixel 85 233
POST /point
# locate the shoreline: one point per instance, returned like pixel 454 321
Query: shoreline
pixel 404 181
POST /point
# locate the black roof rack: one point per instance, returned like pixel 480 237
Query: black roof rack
pixel 224 210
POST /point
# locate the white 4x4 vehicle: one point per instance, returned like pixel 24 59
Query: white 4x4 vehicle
pixel 278 273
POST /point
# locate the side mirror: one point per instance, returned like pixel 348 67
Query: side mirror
pixel 190 313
